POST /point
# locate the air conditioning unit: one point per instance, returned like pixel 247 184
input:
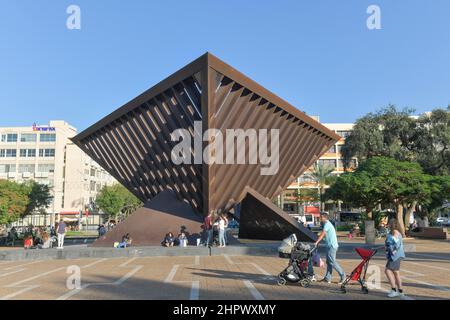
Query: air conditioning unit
pixel 11 175
pixel 38 175
pixel 26 174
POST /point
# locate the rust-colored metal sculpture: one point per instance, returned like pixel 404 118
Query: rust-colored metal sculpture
pixel 134 143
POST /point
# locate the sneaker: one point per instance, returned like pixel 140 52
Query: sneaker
pixel 341 282
pixel 313 278
pixel 401 294
pixel 325 280
pixel 393 294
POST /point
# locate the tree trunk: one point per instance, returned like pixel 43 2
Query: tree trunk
pixel 401 226
pixel 409 211
pixel 369 213
pixel 320 200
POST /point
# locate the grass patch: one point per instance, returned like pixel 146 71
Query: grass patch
pixel 81 233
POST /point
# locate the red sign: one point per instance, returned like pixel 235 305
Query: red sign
pixel 315 211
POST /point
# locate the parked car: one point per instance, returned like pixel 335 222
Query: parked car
pixel 443 221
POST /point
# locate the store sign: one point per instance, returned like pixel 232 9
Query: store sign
pixel 38 128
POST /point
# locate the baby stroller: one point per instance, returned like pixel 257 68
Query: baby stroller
pixel 359 273
pixel 298 263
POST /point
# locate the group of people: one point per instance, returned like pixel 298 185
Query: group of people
pixel 214 226
pixel 219 223
pixel 125 242
pixel 40 238
pixel 170 240
pixel 394 255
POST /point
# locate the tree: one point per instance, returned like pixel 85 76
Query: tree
pixel 323 176
pixel 39 196
pixel 393 133
pixel 359 188
pixel 403 184
pixel 13 201
pixel 388 133
pixel 113 199
pixel 432 142
pixel 383 180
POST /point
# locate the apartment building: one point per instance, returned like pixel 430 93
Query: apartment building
pixel 332 158
pixel 46 154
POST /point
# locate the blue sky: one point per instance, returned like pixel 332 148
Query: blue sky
pixel 318 55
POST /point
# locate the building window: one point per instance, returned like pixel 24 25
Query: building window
pixel 92 186
pixel 7 168
pixel 26 168
pixel 46 167
pixel 47 137
pixel 46 152
pixel 331 163
pixel 306 178
pixel 92 172
pixel 351 165
pixel 9 137
pixel 332 149
pixel 29 153
pixel 8 153
pixel 343 133
pixel 28 137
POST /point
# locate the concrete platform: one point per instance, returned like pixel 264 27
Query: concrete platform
pixel 83 251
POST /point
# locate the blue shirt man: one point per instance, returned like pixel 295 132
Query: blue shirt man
pixel 329 234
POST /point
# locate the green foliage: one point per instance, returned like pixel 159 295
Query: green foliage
pixel 346 227
pixel 113 199
pixel 432 142
pixel 359 188
pixel 39 196
pixel 13 201
pixel 323 176
pixel 382 180
pixel 393 133
pixel 307 195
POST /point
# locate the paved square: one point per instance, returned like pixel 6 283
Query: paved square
pixel 426 275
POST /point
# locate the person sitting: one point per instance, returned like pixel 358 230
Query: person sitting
pixel 356 231
pixel 182 240
pixel 28 242
pixel 46 241
pixel 169 240
pixel 126 241
pixel 101 230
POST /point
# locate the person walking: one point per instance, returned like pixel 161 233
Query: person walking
pixel 329 233
pixel 394 255
pixel 62 228
pixel 208 224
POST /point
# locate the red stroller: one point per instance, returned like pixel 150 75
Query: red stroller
pixel 359 273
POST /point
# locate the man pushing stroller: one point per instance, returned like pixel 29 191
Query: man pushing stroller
pixel 329 233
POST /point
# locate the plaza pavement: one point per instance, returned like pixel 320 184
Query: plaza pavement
pixel 426 275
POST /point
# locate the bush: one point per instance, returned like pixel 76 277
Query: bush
pixel 346 227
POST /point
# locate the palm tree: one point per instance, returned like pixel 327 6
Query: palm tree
pixel 323 176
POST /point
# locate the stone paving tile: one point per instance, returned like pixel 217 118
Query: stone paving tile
pixel 426 276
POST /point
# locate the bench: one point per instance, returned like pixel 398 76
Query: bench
pixel 430 233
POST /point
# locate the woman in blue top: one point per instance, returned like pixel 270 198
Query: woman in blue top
pixel 394 255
